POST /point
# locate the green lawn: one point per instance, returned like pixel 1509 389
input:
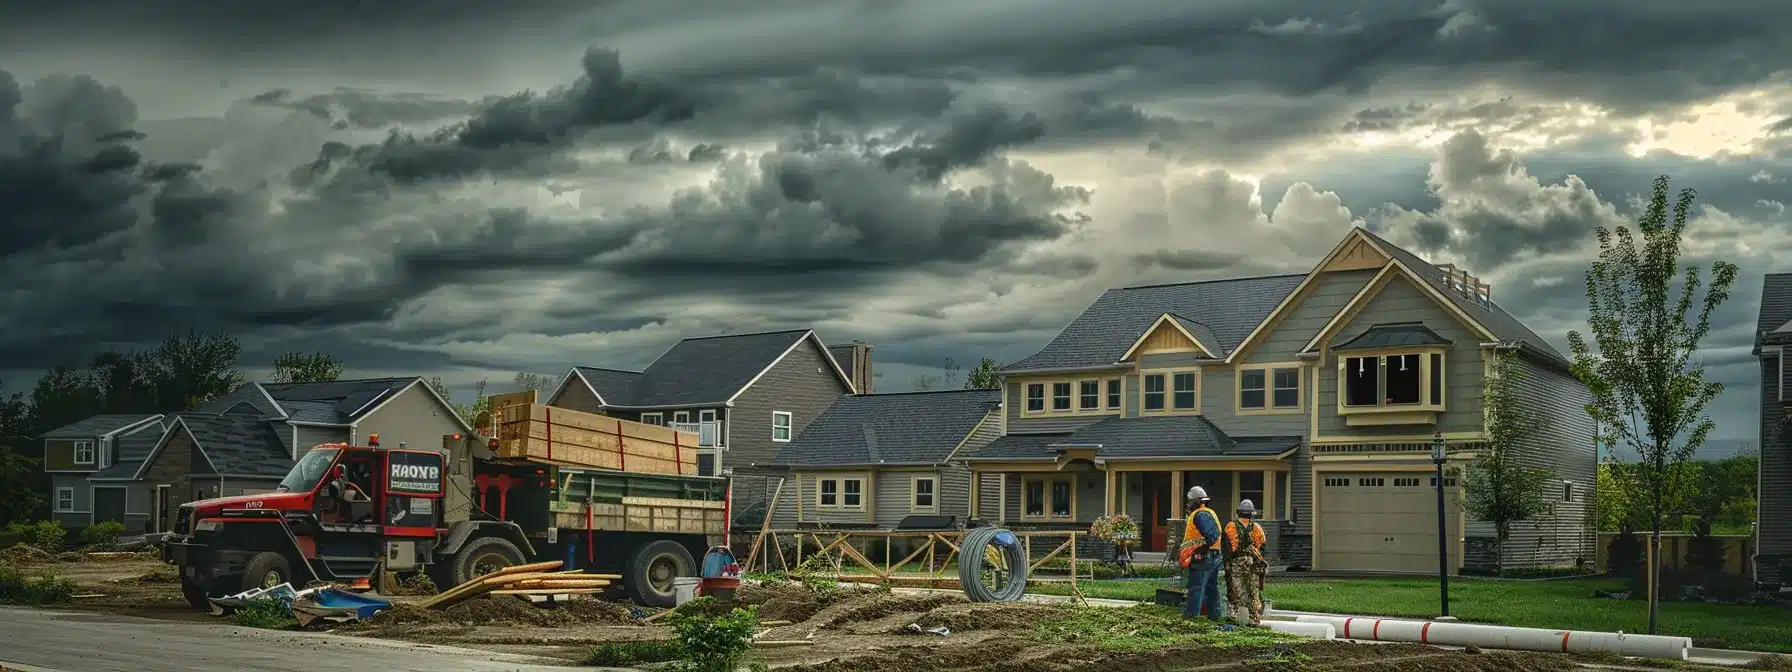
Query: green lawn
pixel 1565 604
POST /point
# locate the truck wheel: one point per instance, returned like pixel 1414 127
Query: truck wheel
pixel 195 594
pixel 266 570
pixel 483 556
pixel 651 570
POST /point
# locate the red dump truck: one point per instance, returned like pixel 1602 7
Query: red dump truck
pixel 347 513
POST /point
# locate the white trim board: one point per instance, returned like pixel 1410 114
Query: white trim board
pixel 157 451
pixel 808 336
pixel 354 427
pixel 270 397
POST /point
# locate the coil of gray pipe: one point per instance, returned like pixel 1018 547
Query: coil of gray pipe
pixel 973 559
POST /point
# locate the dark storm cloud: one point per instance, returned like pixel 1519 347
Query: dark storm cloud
pixel 356 108
pixel 1189 260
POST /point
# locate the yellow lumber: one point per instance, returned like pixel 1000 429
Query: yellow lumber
pixel 475 585
pixel 549 591
pixel 563 417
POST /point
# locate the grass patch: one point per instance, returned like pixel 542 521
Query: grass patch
pixel 16 587
pixel 1534 604
pixel 1146 627
pixel 265 614
pixel 629 654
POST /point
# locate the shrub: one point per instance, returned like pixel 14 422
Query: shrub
pixel 17 588
pixel 1624 555
pixel 103 534
pixel 48 535
pixel 630 654
pixel 714 643
pixel 263 613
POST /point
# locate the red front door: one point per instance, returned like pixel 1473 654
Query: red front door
pixel 1156 493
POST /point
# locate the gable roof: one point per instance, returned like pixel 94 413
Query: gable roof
pixel 337 402
pixel 233 445
pixel 1150 437
pixel 1226 309
pixel 1489 315
pixel 1190 329
pixel 904 428
pixel 1774 325
pixel 705 371
pixel 99 425
pixel 133 448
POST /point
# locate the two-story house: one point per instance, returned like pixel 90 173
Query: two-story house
pixel 1316 396
pixel 744 395
pixel 887 461
pixel 1773 515
pixel 245 442
pixel 83 457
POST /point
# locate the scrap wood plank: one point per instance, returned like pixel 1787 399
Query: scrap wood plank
pixel 547 591
pixel 479 584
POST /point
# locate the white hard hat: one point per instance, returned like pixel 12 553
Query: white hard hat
pixel 1198 493
pixel 1247 508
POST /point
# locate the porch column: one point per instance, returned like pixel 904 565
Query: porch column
pixel 1176 494
pixel 1269 495
pixel 1112 486
pixel 976 486
pixel 1002 497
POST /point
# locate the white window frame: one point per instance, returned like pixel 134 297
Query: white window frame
pixel 91 449
pixel 1568 492
pixel 653 418
pixel 681 417
pixel 787 426
pixel 839 493
pixel 71 500
pixel 933 494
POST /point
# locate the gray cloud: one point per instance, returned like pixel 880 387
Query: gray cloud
pixel 347 108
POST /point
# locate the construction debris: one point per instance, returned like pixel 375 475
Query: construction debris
pixel 524 581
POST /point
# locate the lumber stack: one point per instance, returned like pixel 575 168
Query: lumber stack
pixel 533 579
pixel 563 436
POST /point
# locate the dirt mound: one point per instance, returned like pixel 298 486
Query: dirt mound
pixel 159 575
pixel 795 611
pixel 407 614
pixel 782 602
pixel 25 554
pixel 969 617
pixel 998 655
pixel 879 606
pixel 596 612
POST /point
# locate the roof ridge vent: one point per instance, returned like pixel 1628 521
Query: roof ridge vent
pixel 1468 286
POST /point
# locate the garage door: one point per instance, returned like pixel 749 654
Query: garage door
pixel 1383 521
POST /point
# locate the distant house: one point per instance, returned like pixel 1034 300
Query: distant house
pixel 246 441
pixel 745 395
pixel 1773 516
pixel 1317 396
pixel 887 461
pixel 83 460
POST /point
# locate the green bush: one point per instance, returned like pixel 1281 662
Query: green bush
pixel 713 643
pixel 104 533
pixel 630 654
pixel 263 613
pixel 48 535
pixel 17 588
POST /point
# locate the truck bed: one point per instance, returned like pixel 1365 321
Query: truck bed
pixel 607 501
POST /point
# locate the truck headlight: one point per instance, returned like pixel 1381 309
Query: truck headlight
pixel 206 526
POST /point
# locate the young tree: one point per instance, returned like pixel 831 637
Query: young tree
pixel 196 368
pixel 543 385
pixel 125 381
pixel 298 367
pixel 1647 393
pixel 1499 487
pixel 467 412
pixel 62 396
pixel 984 377
pixel 21 492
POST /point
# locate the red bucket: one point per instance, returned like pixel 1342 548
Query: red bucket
pixel 719 587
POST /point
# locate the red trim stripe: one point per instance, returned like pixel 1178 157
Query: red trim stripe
pixel 1347 627
pixel 1565 635
pixel 1375 633
pixel 547 418
pixel 1425 633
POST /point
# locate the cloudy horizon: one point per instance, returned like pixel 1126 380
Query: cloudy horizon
pixel 472 189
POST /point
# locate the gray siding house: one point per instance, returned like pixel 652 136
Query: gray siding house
pixel 1773 516
pixel 83 459
pixel 1317 396
pixel 245 442
pixel 746 396
pixel 886 462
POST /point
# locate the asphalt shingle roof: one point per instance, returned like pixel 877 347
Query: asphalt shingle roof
pixel 237 445
pixel 1776 309
pixel 1403 334
pixel 695 371
pixel 96 425
pixel 249 394
pixel 1019 446
pixel 1496 319
pixel 1199 331
pixel 334 402
pixel 1227 310
pixel 1170 436
pixel 908 428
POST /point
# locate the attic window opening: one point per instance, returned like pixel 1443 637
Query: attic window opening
pixel 781 426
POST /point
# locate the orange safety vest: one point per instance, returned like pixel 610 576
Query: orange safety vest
pixel 1193 541
pixel 1253 537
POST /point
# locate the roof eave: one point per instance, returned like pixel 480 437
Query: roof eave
pixel 1066 369
pixel 674 407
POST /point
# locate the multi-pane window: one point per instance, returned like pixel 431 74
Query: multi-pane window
pixel 780 426
pixel 1035 397
pixel 1184 398
pixel 1088 395
pixel 83 452
pixel 652 419
pixel 1060 396
pixel 1250 388
pixel 840 493
pixel 1393 380
pixel 1287 393
pixel 65 499
pixel 1047 497
pixel 924 496
pixel 1114 394
pixel 1154 392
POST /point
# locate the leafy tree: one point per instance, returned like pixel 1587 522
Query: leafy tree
pixel 984 377
pixel 62 396
pixel 195 369
pixel 126 382
pixel 298 367
pixel 1646 391
pixel 467 412
pixel 943 380
pixel 21 491
pixel 543 385
pixel 1500 488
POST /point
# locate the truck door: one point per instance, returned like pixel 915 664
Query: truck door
pixel 413 487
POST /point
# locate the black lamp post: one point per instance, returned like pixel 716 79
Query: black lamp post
pixel 1443 541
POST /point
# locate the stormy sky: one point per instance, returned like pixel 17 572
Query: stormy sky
pixel 470 189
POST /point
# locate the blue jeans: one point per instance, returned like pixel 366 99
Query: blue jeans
pixel 1204 588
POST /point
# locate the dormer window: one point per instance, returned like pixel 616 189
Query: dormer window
pixel 1394 373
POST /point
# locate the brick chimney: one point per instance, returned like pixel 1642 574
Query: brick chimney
pixel 855 360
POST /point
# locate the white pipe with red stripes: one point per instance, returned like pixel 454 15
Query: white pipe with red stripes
pixel 1503 637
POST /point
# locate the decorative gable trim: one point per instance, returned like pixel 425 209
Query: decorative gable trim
pixel 807 337
pixel 1299 294
pixel 1167 318
pixel 416 382
pixel 1374 288
pixel 571 375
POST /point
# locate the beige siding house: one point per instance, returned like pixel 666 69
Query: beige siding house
pixel 1316 396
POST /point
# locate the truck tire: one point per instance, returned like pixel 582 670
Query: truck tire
pixel 649 572
pixel 266 570
pixel 195 594
pixel 482 556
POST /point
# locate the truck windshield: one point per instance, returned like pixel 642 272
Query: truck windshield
pixel 309 471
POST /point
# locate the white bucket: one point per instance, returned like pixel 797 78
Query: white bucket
pixel 684 589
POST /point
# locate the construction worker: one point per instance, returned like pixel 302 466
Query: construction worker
pixel 1200 555
pixel 1246 568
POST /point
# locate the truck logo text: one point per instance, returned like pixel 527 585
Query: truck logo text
pixel 415 472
